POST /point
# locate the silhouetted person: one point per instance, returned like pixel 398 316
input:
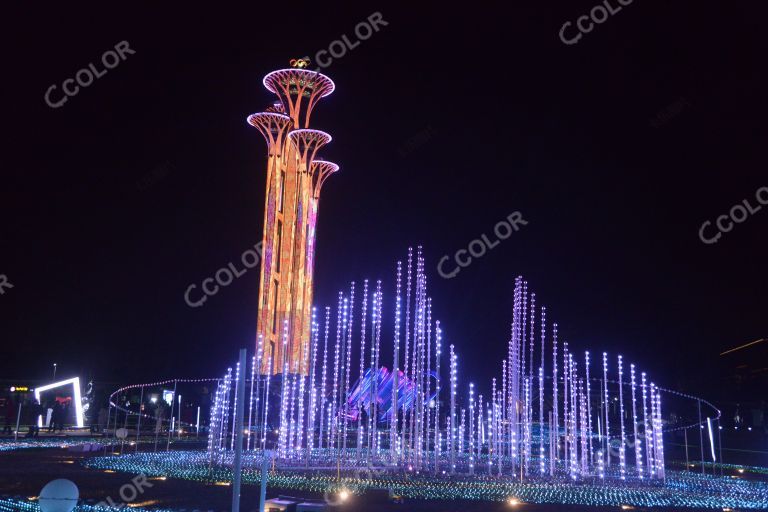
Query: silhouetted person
pixel 8 413
pixel 57 418
pixel 765 416
pixel 159 415
pixel 64 415
pixel 102 419
pixel 36 411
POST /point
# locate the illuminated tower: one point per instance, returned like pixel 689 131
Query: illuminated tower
pixel 294 180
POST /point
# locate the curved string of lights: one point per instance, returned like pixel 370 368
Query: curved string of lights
pixel 152 384
pixel 683 395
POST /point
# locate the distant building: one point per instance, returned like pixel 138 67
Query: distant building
pixel 745 372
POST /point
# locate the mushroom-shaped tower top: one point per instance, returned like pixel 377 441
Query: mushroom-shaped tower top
pixel 320 171
pixel 299 90
pixel 273 126
pixel 307 143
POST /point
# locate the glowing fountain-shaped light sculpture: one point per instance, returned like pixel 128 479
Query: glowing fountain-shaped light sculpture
pixel 392 420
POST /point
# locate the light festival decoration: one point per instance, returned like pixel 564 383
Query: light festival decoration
pixel 542 469
pixel 646 428
pixel 383 419
pixel 682 490
pixel 636 439
pixel 623 439
pixel 10 444
pixel 312 390
pixel 442 464
pixel 358 404
pixel 711 440
pixel 349 316
pixel 394 438
pixel 252 398
pixel 270 364
pixel 359 423
pixel 606 411
pixel 324 378
pixel 555 418
pixel 234 403
pixel 438 353
pixel 471 428
pixel 76 398
pixel 452 432
pixel 589 403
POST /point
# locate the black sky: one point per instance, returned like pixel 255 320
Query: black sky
pixel 150 180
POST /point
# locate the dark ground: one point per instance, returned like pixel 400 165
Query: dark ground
pixel 23 473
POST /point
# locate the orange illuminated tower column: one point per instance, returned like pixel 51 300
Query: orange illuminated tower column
pixel 294 179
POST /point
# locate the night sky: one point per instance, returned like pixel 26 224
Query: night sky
pixel 615 150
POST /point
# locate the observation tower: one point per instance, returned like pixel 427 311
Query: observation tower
pixel 295 177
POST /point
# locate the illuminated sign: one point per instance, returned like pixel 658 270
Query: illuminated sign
pixel 78 401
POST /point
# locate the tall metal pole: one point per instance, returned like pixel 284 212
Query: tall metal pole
pixel 18 419
pixel 114 430
pixel 250 400
pixel 720 446
pixel 266 454
pixel 701 438
pixel 239 412
pixel 158 426
pixel 106 431
pixel 452 433
pixel 170 420
pixel 178 432
pixel 138 423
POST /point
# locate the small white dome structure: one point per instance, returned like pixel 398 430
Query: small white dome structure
pixel 59 495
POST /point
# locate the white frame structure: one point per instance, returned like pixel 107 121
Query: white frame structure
pixel 75 381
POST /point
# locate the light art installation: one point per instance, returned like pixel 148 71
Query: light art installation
pixel 540 422
pixel 543 429
pixel 550 433
pixel 681 490
pixel 76 398
pixel 11 444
